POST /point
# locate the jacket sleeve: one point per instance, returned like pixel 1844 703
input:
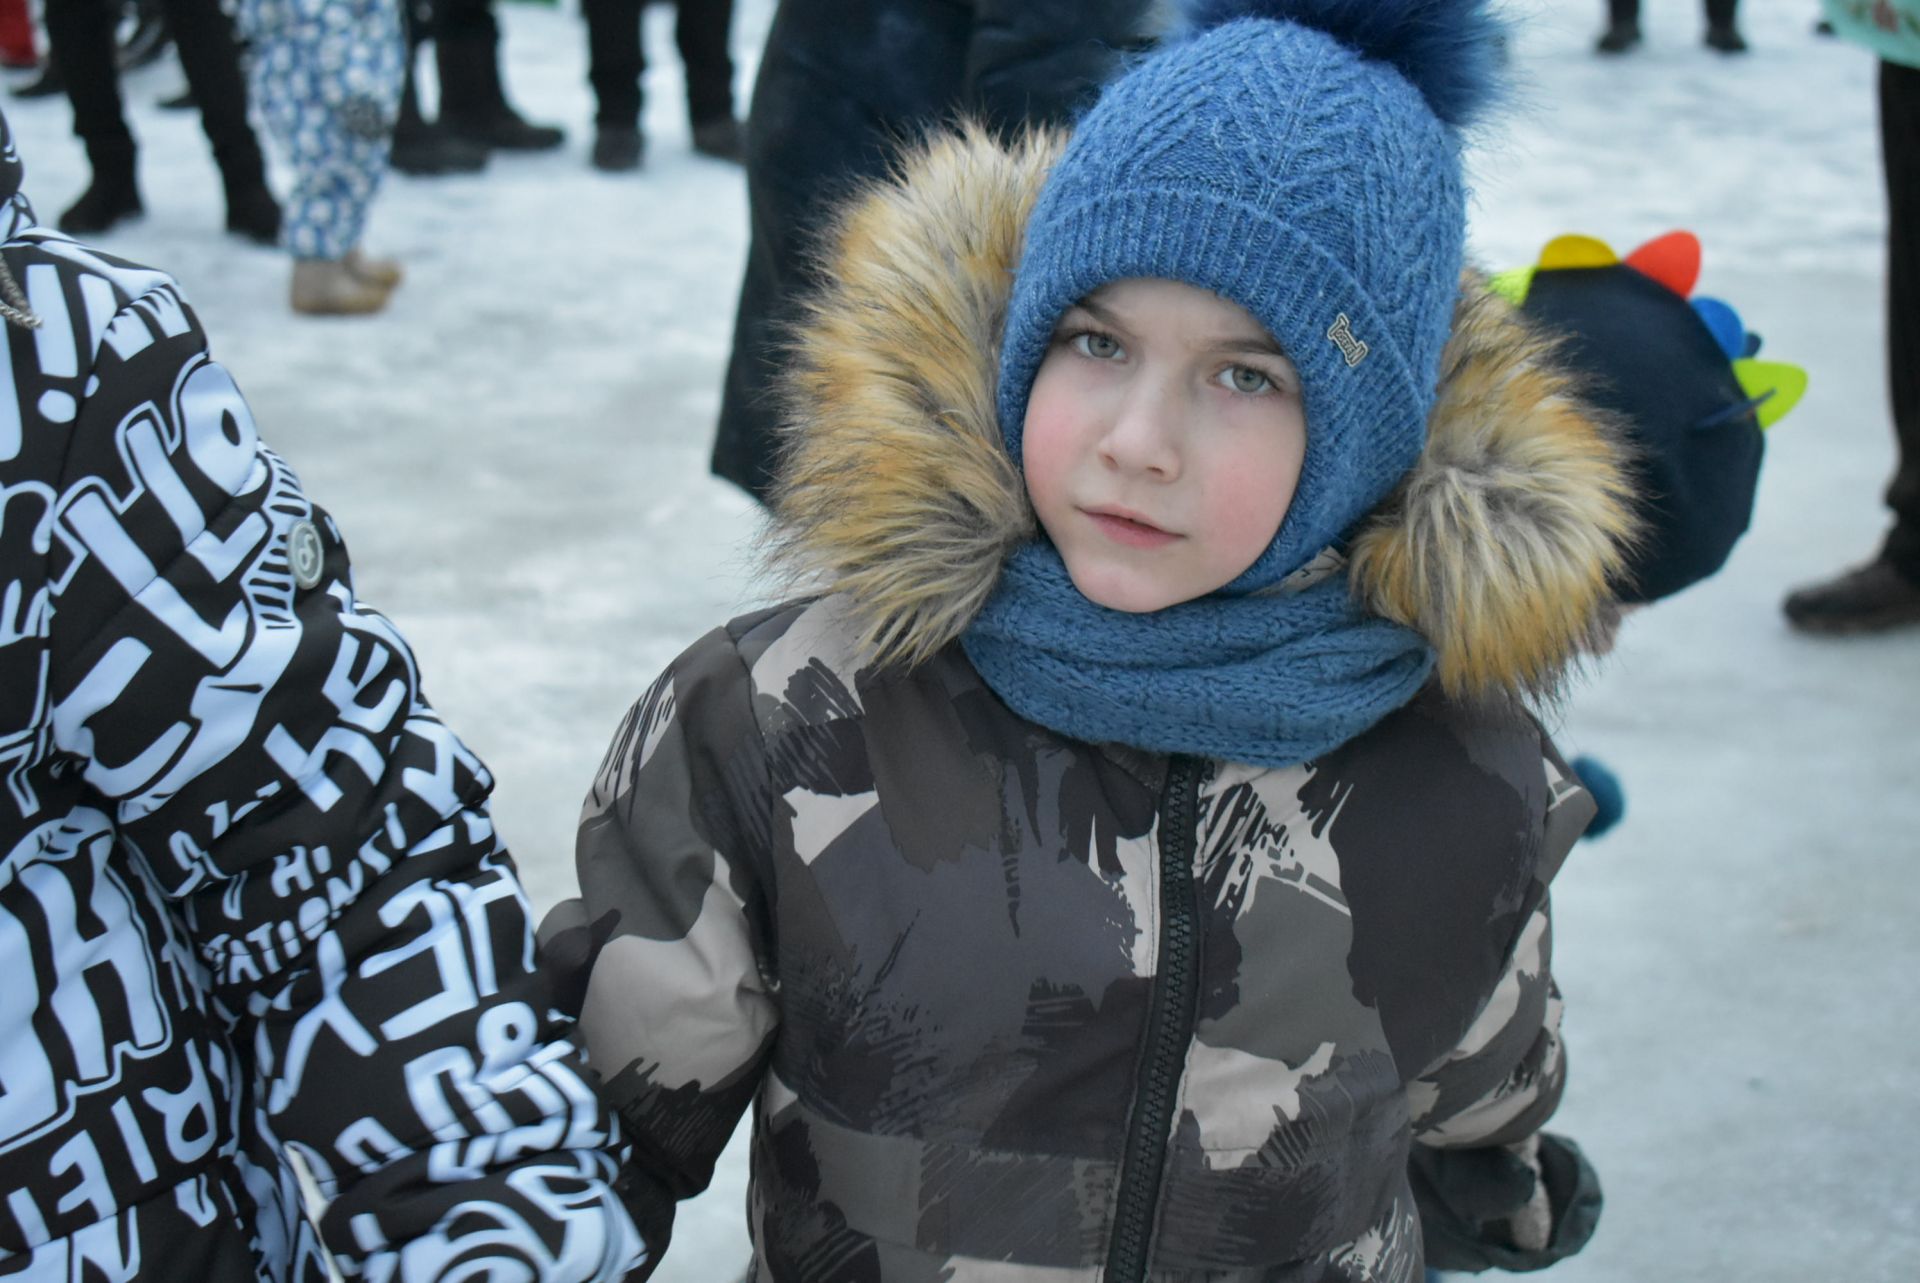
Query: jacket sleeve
pixel 1043 61
pixel 666 950
pixel 260 739
pixel 1493 1189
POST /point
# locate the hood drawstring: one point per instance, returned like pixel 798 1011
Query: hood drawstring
pixel 13 301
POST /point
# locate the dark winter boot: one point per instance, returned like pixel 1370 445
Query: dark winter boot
pixel 112 196
pixel 1870 599
pixel 473 101
pixel 424 150
pixel 1619 37
pixel 720 139
pixel 252 212
pixel 505 130
pixel 1721 33
pixel 1725 37
pixel 617 150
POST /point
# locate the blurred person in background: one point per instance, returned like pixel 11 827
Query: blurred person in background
pixel 18 49
pixel 617 61
pixel 1885 592
pixel 841 83
pixel 1623 27
pixel 475 118
pixel 80 36
pixel 328 83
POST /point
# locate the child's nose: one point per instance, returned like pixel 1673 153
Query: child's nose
pixel 1143 436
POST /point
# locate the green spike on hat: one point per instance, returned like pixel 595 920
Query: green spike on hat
pixel 1774 386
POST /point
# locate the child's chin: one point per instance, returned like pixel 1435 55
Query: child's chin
pixel 1125 593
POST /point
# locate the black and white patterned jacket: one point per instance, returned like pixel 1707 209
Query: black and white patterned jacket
pixel 251 900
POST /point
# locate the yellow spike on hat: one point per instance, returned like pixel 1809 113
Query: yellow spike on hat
pixel 1574 250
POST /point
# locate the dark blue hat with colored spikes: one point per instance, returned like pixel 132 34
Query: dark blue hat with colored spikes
pixel 1682 373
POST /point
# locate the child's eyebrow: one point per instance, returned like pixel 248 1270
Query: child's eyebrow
pixel 1257 345
pixel 1097 312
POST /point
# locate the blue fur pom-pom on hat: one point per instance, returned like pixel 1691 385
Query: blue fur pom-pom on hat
pixel 1447 49
pixel 1300 158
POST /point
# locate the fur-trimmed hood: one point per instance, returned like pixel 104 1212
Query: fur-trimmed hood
pixel 896 489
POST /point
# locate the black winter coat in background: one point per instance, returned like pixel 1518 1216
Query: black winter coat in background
pixel 841 83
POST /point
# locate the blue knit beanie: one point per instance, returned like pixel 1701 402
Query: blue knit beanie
pixel 1302 159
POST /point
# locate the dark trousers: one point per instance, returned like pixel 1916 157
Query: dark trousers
pixel 466 54
pixel 1900 156
pixel 1719 12
pixel 616 58
pixel 80 39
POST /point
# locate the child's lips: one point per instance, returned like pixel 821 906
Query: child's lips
pixel 1129 528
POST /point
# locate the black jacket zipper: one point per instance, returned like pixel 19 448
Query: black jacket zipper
pixel 1170 1023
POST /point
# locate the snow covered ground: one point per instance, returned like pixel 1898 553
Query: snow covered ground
pixel 517 453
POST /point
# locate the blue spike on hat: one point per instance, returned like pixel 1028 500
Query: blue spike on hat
pixel 1724 324
pixel 1300 159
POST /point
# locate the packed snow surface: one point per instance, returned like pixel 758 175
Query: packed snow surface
pixel 517 453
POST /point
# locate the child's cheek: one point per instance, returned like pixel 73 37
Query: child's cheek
pixel 1246 504
pixel 1046 453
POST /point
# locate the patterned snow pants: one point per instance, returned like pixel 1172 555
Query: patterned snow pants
pixel 326 77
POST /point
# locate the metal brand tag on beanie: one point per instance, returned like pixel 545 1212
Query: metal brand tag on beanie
pixel 1341 332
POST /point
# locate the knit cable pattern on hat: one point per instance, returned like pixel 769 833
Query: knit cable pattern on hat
pixel 1269 164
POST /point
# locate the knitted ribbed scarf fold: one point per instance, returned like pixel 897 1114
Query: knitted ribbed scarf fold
pixel 1272 678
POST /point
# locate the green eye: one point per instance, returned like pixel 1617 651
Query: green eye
pixel 1099 346
pixel 1244 378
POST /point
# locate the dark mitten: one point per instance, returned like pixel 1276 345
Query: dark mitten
pixel 1493 1208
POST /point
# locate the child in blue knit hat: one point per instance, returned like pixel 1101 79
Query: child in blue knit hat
pixel 1130 858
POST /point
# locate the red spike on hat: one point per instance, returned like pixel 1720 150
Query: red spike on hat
pixel 1673 260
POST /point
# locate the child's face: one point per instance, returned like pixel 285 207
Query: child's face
pixel 1163 442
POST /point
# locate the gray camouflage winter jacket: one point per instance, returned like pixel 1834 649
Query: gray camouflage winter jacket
pixel 1012 1007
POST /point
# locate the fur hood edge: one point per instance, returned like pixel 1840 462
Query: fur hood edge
pixel 896 490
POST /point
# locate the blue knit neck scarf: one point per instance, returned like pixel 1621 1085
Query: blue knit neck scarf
pixel 1272 678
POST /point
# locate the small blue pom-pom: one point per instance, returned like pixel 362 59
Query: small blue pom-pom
pixel 1450 50
pixel 1607 794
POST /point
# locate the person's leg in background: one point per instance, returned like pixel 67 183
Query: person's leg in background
pixel 1721 32
pixel 473 98
pixel 1900 138
pixel 210 57
pixel 616 67
pixel 80 47
pixel 331 96
pixel 1623 27
pixel 702 29
pixel 1885 593
pixel 420 146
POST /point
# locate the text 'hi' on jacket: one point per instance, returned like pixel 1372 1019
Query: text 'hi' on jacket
pixel 1010 1006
